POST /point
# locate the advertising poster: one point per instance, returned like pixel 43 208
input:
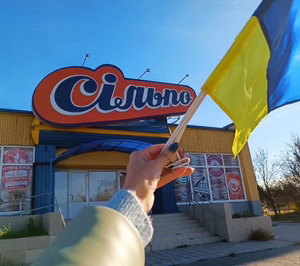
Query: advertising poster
pixel 230 161
pixel 214 160
pixel 182 189
pixel 200 185
pixel 16 155
pixel 217 183
pixel 197 159
pixel 16 184
pixel 234 183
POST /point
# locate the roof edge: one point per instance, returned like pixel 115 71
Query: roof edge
pixel 4 110
pixel 205 127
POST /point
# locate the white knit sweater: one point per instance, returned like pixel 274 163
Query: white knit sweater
pixel 129 205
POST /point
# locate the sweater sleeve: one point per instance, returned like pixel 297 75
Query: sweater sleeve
pixel 125 202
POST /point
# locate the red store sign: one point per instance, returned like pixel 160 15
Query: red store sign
pixel 79 96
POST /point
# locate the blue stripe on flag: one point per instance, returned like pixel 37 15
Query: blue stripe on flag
pixel 280 22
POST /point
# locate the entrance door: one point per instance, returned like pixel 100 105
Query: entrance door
pixel 61 192
pixel 76 189
pixel 77 192
pixel 102 187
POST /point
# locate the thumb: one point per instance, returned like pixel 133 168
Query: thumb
pixel 167 154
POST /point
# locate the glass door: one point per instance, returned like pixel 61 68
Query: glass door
pixel 61 192
pixel 76 189
pixel 102 186
pixel 77 192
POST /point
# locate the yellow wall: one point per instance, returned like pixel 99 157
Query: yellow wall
pixel 15 129
pixel 96 160
pixel 206 141
pixel 218 141
pixel 248 173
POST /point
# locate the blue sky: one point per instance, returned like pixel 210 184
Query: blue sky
pixel 171 37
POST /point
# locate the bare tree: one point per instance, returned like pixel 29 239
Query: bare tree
pixel 267 177
pixel 290 166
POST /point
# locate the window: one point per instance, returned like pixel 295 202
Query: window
pixel 216 178
pixel 102 185
pixel 16 177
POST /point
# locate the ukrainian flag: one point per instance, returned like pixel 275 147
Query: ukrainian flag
pixel 261 71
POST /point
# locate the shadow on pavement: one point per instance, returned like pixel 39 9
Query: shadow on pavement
pixel 278 255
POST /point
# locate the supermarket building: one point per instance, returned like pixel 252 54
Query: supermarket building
pixel 44 167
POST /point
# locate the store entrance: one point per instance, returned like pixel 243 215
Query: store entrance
pixel 75 189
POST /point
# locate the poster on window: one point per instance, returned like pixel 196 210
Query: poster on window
pixel 230 161
pixel 200 185
pixel 16 184
pixel 17 155
pixel 217 183
pixel 234 183
pixel 197 159
pixel 214 160
pixel 182 189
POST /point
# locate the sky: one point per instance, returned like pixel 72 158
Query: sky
pixel 171 37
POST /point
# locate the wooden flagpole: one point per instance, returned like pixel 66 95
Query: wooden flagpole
pixel 177 134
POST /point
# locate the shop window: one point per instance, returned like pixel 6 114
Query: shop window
pixel 102 186
pixel 16 178
pixel 182 189
pixel 216 178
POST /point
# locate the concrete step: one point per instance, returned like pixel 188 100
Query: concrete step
pixel 176 230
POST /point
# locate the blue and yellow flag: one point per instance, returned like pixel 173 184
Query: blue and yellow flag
pixel 261 70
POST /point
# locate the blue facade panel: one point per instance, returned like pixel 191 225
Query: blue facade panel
pixel 44 178
pixel 72 139
pixel 165 200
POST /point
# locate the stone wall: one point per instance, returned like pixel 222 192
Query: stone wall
pixel 218 219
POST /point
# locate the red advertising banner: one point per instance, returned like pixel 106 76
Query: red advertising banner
pixel 200 185
pixel 16 155
pixel 16 184
pixel 214 160
pixel 16 177
pixel 218 184
pixel 182 188
pixel 234 183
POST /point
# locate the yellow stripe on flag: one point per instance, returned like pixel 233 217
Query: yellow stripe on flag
pixel 239 83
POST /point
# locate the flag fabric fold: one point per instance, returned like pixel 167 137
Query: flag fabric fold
pixel 261 70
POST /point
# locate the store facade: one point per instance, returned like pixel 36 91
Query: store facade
pixel 86 166
pixel 61 155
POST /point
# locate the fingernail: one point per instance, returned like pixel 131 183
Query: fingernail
pixel 174 147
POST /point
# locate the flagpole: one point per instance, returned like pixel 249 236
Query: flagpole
pixel 177 134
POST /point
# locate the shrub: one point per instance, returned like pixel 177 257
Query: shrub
pixel 261 235
pixel 5 230
pixel 6 262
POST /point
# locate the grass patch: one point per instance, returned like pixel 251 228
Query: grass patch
pixel 261 235
pixel 13 234
pixel 33 229
pixel 288 217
